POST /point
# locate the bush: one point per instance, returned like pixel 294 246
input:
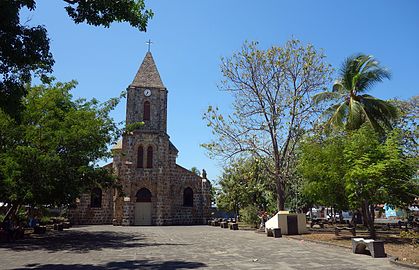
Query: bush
pixel 22 216
pixel 413 236
pixel 249 215
pixel 45 220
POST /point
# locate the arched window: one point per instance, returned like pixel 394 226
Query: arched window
pixel 140 157
pixel 188 197
pixel 143 195
pixel 96 198
pixel 150 157
pixel 146 115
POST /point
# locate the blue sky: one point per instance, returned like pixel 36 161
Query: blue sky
pixel 191 36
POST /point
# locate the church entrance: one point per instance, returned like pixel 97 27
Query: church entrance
pixel 143 207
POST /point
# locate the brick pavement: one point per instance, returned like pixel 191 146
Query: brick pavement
pixel 175 247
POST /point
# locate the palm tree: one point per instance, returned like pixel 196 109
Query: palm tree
pixel 357 75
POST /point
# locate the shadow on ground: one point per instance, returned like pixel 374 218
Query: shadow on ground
pixel 81 242
pixel 123 265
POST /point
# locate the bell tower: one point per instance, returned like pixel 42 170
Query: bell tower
pixel 147 98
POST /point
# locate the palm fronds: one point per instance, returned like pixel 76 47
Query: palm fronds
pixel 357 75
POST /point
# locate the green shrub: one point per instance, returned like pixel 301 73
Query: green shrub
pixel 249 215
pixel 413 236
pixel 45 220
pixel 21 215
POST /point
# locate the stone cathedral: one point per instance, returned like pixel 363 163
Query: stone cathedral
pixel 155 190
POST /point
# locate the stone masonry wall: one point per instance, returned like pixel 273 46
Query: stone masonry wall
pixel 84 214
pixel 181 179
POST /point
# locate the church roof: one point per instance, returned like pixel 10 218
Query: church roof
pixel 173 148
pixel 118 145
pixel 148 75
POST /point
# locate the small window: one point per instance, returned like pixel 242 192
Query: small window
pixel 140 157
pixel 150 157
pixel 188 197
pixel 146 116
pixel 96 198
pixel 143 195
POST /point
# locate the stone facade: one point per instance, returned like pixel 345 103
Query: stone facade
pixel 145 159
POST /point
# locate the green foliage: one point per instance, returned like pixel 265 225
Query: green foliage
pixel 45 220
pixel 22 216
pixel 105 12
pixel 360 169
pixel 350 168
pixel 322 166
pixel 378 172
pixel 408 124
pixel 249 215
pixel 50 156
pixel 357 75
pixel 411 235
pixel 133 126
pixel 25 50
pixel 244 183
pixel 196 171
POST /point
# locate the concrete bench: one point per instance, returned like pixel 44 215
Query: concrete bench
pixel 215 223
pixel 274 232
pixel 39 229
pixel 66 225
pixel 317 221
pixel 224 224
pixel 350 229
pixel 58 227
pixel 234 226
pixel 376 247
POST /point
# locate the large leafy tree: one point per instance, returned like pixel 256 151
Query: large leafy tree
pixel 360 170
pixel 408 124
pixel 50 156
pixel 378 172
pixel 321 164
pixel 25 50
pixel 244 183
pixel 272 91
pixel 359 73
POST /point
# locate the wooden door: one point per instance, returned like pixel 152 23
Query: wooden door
pixel 142 213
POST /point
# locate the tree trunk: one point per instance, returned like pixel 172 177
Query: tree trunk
pixel 353 219
pixel 280 194
pixel 364 215
pixel 341 217
pixel 11 212
pixel 370 220
pixel 372 208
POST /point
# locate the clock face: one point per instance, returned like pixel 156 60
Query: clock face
pixel 147 92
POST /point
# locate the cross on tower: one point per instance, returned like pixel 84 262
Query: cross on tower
pixel 149 42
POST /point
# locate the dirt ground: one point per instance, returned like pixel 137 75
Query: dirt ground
pixel 395 246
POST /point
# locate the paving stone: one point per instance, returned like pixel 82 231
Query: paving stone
pixel 175 247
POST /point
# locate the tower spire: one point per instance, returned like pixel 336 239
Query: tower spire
pixel 148 75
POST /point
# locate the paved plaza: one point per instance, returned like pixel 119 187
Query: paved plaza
pixel 176 247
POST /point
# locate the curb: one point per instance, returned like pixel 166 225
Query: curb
pixel 392 260
pixel 318 242
pixel 395 261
